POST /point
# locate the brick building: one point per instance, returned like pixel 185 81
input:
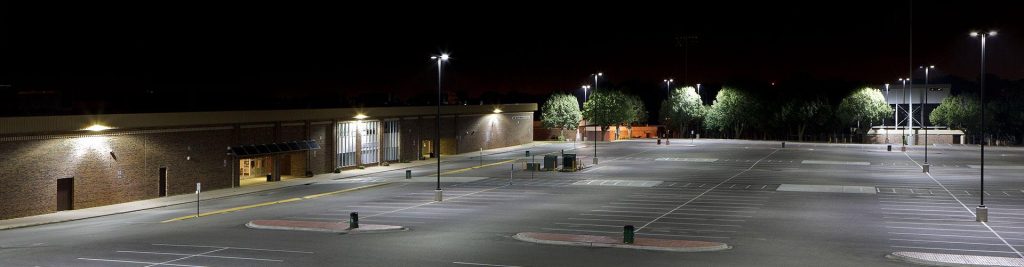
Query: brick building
pixel 53 163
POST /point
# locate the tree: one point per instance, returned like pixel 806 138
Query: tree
pixel 637 113
pixel 561 111
pixel 959 112
pixel 863 108
pixel 682 109
pixel 803 113
pixel 608 107
pixel 732 110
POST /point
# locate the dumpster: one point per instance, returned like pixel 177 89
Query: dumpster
pixel 550 161
pixel 569 162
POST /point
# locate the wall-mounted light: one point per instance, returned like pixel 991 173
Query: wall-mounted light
pixel 113 156
pixel 497 110
pixel 360 116
pixel 97 128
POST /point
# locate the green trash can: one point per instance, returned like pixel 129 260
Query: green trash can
pixel 550 161
pixel 569 162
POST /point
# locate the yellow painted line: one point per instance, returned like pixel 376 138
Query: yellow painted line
pixel 476 167
pixel 345 190
pixel 270 203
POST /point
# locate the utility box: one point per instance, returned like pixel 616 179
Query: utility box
pixel 569 162
pixel 550 161
pixel 532 166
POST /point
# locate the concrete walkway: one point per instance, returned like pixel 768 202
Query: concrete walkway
pixel 606 241
pixel 320 226
pixel 80 214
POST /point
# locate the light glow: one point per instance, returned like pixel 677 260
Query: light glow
pixel 497 110
pixel 97 128
pixel 360 116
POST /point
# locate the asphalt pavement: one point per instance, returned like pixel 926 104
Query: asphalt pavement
pixel 805 204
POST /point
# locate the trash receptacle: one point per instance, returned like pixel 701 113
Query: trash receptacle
pixel 549 162
pixel 270 177
pixel 527 153
pixel 569 162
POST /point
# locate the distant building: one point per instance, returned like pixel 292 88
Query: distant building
pixel 54 163
pixel 913 106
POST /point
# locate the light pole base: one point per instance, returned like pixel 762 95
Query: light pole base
pixel 924 167
pixel 437 195
pixel 981 214
pixel 595 160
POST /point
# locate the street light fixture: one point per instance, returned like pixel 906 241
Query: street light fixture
pixel 668 87
pixel 437 138
pixel 981 213
pixel 924 168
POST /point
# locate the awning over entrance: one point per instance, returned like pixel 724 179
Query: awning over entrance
pixel 275 148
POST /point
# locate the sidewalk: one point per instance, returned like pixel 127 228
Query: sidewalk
pixel 72 215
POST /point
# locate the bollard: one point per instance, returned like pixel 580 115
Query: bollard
pixel 924 167
pixel 628 232
pixel 666 142
pixel 659 141
pixel 353 221
pixel 783 144
pixel 888 148
pixel 981 214
pixel 408 174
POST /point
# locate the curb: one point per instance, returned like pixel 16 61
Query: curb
pixel 378 228
pixel 522 237
pixel 900 256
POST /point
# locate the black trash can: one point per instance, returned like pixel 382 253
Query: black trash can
pixel 569 162
pixel 270 177
pixel 550 161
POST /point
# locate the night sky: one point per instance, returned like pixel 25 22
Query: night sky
pixel 535 48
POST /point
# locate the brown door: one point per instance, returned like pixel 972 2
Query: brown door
pixel 163 182
pixel 65 193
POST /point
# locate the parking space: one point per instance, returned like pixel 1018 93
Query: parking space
pixel 419 208
pixel 191 255
pixel 679 213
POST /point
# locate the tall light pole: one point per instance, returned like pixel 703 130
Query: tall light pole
pixel 924 168
pixel 598 128
pixel 903 146
pixel 437 137
pixel 981 213
pixel 668 88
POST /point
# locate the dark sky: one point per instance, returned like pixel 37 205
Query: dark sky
pixel 529 47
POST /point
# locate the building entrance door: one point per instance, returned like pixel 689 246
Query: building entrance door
pixel 163 182
pixel 65 193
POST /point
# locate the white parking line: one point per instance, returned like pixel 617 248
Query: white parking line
pixel 139 262
pixel 482 264
pixel 205 256
pixel 240 248
pixel 941 235
pixel 670 218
